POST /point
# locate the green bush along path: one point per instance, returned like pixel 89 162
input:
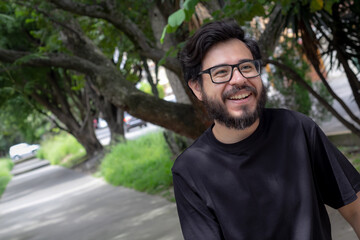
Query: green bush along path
pixel 5 176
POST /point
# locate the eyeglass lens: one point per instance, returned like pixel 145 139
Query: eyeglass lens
pixel 223 73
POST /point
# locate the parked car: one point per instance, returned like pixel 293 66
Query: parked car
pixel 99 123
pixel 131 122
pixel 23 150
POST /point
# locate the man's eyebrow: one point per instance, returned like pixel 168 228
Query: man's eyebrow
pixel 226 64
pixel 245 60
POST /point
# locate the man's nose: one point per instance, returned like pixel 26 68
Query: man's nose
pixel 237 78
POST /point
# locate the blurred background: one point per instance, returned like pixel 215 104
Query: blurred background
pixel 96 86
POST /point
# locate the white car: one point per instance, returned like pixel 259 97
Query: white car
pixel 23 150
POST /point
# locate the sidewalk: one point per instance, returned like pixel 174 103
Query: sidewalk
pixel 57 203
pixel 54 203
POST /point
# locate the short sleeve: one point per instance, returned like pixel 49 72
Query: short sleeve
pixel 197 221
pixel 336 178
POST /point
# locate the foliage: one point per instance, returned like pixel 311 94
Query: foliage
pixel 143 164
pixel 20 122
pixel 177 18
pixel 44 89
pixel 5 176
pixel 243 11
pixel 291 94
pixel 145 87
pixel 87 32
pixel 62 149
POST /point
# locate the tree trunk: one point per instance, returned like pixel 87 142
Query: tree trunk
pixel 270 37
pixel 115 119
pixel 110 113
pixel 158 22
pixel 94 150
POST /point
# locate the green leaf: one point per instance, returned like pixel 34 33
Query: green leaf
pixel 29 20
pixel 7 17
pixel 162 61
pixel 316 5
pixel 163 34
pixel 78 82
pixel 256 10
pixel 190 4
pixel 167 29
pixel 328 5
pixel 177 18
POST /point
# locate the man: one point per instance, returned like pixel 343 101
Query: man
pixel 256 173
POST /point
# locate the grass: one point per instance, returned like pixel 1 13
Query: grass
pixel 63 150
pixel 143 164
pixel 5 176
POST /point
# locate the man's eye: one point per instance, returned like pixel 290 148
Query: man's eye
pixel 220 72
pixel 247 67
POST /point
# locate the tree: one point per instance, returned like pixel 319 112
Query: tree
pixel 20 122
pixel 87 58
pixel 328 27
pixel 62 92
pixel 82 51
pixel 52 90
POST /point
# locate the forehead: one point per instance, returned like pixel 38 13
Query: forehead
pixel 227 52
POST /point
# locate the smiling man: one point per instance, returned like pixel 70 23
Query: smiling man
pixel 256 173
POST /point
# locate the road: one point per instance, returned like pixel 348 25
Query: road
pixel 54 203
pixel 104 134
pixel 59 204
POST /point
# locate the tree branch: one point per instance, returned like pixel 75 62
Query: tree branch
pixel 124 24
pixel 334 95
pixel 45 114
pixel 48 60
pixel 296 77
pixel 120 92
pixel 272 32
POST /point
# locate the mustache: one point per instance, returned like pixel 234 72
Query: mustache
pixel 236 89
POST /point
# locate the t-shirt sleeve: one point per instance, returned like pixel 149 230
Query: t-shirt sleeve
pixel 336 178
pixel 197 221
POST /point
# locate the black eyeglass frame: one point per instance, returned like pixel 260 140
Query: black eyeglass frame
pixel 208 71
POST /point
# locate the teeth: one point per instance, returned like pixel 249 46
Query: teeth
pixel 240 96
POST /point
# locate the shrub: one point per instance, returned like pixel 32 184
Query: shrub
pixel 5 176
pixel 143 164
pixel 62 149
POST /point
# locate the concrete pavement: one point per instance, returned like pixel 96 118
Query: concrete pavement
pixel 60 204
pixel 54 203
pixel 28 165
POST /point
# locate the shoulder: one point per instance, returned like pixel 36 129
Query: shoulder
pixel 294 124
pixel 191 156
pixel 289 117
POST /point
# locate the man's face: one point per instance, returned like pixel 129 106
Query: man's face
pixel 237 103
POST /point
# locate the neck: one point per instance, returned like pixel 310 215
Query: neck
pixel 229 135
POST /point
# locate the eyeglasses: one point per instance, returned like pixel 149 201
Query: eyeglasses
pixel 223 73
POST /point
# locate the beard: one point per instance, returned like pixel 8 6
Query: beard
pixel 217 110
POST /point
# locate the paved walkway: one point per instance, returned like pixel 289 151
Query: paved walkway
pixel 54 203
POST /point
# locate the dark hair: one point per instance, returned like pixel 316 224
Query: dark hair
pixel 208 35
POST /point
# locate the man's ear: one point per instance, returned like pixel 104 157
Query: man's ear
pixel 196 88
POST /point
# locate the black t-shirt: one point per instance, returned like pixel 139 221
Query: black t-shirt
pixel 272 185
